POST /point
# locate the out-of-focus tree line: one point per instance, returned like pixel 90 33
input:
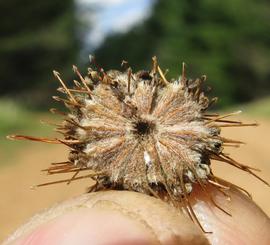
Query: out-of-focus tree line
pixel 229 41
pixel 35 38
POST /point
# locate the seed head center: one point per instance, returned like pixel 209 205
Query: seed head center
pixel 143 128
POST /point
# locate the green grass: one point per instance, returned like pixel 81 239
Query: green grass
pixel 15 119
pixel 259 108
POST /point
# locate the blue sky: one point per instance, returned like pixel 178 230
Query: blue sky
pixel 112 16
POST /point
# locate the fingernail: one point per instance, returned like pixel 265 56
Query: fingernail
pixel 90 226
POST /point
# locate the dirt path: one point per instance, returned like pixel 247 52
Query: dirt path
pixel 18 202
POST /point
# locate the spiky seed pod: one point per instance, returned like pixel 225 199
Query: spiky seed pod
pixel 141 132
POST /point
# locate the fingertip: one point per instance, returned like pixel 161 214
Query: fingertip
pixel 89 226
pixel 112 217
pixel 237 220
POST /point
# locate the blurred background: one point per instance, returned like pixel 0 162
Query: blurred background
pixel 229 41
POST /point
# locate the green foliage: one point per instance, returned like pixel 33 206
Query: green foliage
pixel 227 40
pixel 36 37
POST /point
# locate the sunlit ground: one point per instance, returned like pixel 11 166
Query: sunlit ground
pixel 21 162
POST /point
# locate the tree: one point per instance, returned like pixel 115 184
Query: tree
pixel 36 37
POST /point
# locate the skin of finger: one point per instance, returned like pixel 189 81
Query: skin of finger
pixel 147 218
pixel 248 224
pixel 77 227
